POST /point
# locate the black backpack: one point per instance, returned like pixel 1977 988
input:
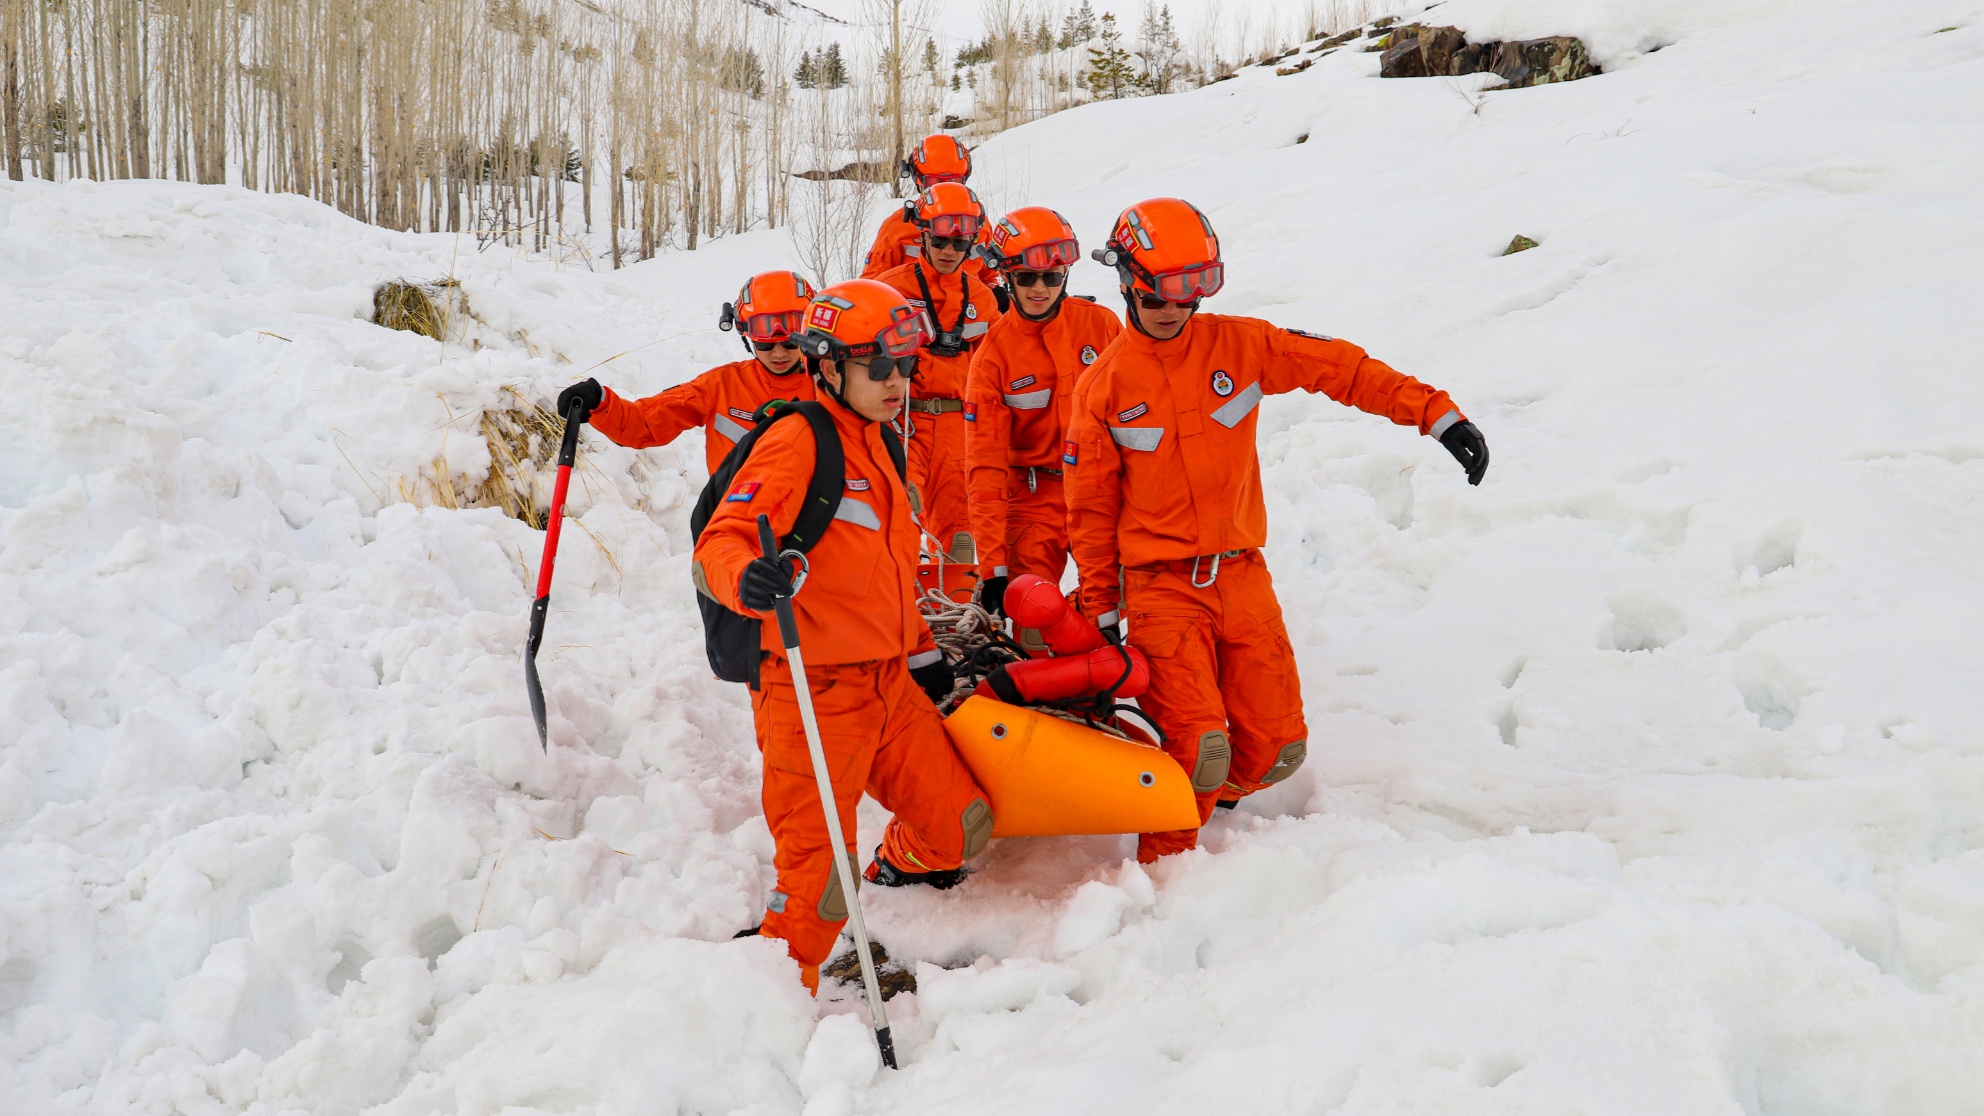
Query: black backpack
pixel 733 640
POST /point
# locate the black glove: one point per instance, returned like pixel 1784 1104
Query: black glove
pixel 936 679
pixel 1463 439
pixel 763 581
pixel 1002 296
pixel 992 595
pixel 587 393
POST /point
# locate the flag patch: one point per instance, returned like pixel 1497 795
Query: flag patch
pixel 1068 452
pixel 970 411
pixel 1134 412
pixel 743 493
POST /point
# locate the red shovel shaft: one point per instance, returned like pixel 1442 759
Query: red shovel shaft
pixel 567 452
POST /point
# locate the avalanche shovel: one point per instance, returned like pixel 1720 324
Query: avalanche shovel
pixel 567 450
pixel 788 630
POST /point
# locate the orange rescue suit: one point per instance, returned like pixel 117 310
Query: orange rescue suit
pixel 936 406
pixel 900 240
pixel 1164 492
pixel 860 628
pixel 1016 405
pixel 721 400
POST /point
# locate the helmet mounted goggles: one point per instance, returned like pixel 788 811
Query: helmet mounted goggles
pixel 892 349
pixel 1165 247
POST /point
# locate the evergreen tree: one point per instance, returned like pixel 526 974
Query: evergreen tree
pixel 1158 49
pixel 807 75
pixel 1110 72
pixel 1077 27
pixel 930 57
pixel 833 68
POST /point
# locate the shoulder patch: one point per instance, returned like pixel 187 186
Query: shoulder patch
pixel 1134 412
pixel 857 484
pixel 970 411
pixel 1313 336
pixel 1068 452
pixel 1222 384
pixel 1023 381
pixel 1088 354
pixel 743 493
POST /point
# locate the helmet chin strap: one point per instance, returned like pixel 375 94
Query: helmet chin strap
pixel 1130 311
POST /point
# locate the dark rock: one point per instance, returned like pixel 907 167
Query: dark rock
pixel 1437 46
pixel 1284 71
pixel 1528 62
pixel 1406 60
pixel 1520 244
pixel 1338 40
pixel 1384 22
pixel 891 977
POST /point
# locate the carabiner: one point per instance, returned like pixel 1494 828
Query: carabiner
pixel 1210 578
pixel 805 567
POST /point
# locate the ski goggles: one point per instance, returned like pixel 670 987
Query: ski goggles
pixel 773 327
pixel 1023 278
pixel 964 225
pixel 1040 257
pixel 1188 284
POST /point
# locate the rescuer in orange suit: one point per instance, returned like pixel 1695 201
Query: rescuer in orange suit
pixel 1016 401
pixel 960 309
pixel 873 668
pixel 938 158
pixel 1164 491
pixel 767 313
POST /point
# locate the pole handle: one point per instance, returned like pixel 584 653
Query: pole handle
pixel 788 625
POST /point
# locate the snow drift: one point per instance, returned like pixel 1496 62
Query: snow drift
pixel 1647 777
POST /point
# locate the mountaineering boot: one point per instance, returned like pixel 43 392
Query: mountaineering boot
pixel 881 872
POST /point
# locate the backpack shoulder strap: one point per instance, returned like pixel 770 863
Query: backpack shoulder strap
pixel 892 442
pixel 823 494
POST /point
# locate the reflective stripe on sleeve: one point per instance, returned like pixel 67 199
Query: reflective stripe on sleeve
pixel 1030 400
pixel 1109 619
pixel 1143 438
pixel 1238 407
pixel 858 513
pixel 974 329
pixel 728 427
pixel 923 659
pixel 1445 424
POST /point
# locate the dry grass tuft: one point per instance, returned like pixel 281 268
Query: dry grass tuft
pixel 423 308
pixel 522 438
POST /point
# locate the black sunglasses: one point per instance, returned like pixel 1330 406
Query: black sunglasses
pixel 768 346
pixel 954 243
pixel 882 366
pixel 1152 302
pixel 1031 278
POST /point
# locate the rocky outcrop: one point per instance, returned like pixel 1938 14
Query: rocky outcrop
pixel 1416 50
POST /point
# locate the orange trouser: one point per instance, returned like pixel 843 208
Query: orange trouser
pixel 1220 667
pixel 1036 527
pixel 936 465
pixel 880 733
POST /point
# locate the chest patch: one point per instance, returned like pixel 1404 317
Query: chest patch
pixel 857 484
pixel 1222 384
pixel 1138 411
pixel 1088 354
pixel 971 310
pixel 743 493
pixel 741 415
pixel 1023 381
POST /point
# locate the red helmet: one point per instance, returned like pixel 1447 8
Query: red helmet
pixel 862 317
pixel 939 158
pixel 1034 237
pixel 1167 247
pixel 947 209
pixel 771 307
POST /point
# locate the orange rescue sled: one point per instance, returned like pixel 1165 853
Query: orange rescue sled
pixel 1048 777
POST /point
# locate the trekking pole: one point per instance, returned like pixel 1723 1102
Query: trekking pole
pixel 567 451
pixel 788 630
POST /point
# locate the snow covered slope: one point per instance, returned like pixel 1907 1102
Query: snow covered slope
pixel 1648 777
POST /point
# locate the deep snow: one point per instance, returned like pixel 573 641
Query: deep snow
pixel 1646 777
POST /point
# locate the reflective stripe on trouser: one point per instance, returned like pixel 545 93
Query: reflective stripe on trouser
pixel 881 735
pixel 1036 527
pixel 936 464
pixel 1221 671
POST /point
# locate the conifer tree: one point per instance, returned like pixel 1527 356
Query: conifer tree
pixel 833 68
pixel 807 75
pixel 1077 27
pixel 1110 71
pixel 1159 49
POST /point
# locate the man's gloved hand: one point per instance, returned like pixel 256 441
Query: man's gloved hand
pixel 764 580
pixel 992 595
pixel 936 679
pixel 586 392
pixel 1463 439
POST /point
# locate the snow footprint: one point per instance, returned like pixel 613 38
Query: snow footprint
pixel 1641 621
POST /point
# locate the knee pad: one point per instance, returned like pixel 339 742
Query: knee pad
pixel 977 819
pixel 833 901
pixel 1215 756
pixel 1285 762
pixel 964 549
